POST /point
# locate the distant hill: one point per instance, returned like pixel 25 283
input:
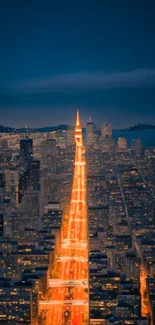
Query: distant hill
pixel 62 127
pixel 140 127
pixel 4 129
pixel 137 127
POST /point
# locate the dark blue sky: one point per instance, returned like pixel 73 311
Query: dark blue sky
pixel 58 55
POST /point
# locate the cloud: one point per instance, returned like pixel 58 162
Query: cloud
pixel 90 81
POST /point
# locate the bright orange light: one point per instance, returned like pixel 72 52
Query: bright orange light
pixel 69 289
pixel 144 302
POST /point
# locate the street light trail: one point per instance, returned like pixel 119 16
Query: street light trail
pixel 69 303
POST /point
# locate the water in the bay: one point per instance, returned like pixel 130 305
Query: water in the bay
pixel 147 137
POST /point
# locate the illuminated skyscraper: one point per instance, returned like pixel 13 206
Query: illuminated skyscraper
pixel 122 144
pixel 70 136
pixel 91 136
pixel 106 129
pixel 106 137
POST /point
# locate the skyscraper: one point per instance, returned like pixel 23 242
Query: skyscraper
pixel 52 217
pixel 106 137
pixel 34 174
pixel 48 173
pixel 29 209
pixel 106 129
pixel 91 136
pixel 11 184
pixel 48 156
pixel 2 191
pixel 26 150
pixel 29 177
pixel 70 136
pixel 138 147
pixel 122 144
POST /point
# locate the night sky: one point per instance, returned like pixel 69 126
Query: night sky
pixel 98 55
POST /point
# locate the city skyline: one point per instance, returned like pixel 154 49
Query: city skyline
pixel 96 56
pixel 73 211
pixel 77 162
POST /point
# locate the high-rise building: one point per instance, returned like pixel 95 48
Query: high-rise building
pixel 91 137
pixel 131 266
pixel 70 136
pixel 106 140
pixel 52 217
pixel 34 174
pixel 29 177
pixel 29 209
pixel 60 136
pixel 3 145
pixel 48 180
pixel 23 183
pixel 2 192
pixel 49 191
pixel 106 129
pixel 11 184
pixel 122 144
pixel 26 150
pixel 138 147
pixel 18 302
pixel 48 156
pixel 1 225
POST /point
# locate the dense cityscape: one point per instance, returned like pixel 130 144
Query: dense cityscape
pixel 77 185
pixel 77 227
